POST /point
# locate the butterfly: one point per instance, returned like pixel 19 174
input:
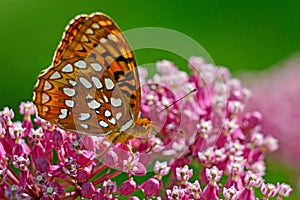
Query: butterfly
pixel 92 85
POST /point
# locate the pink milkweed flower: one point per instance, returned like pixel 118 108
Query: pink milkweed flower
pixel 235 179
pixel 27 109
pixel 151 187
pixel 109 187
pixel 275 93
pixel 183 174
pixel 133 166
pixel 6 117
pixel 207 135
pixel 128 187
pixel 52 190
pixel 268 190
pixel 283 190
pixel 231 193
pixel 195 190
pixel 176 193
pixel 161 168
pixel 211 190
pixel 251 180
pixel 87 190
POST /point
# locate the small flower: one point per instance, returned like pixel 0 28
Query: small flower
pixel 58 137
pixel 21 162
pixel 151 187
pixel 111 159
pixel 26 108
pixel 235 169
pixel 268 190
pixel 36 135
pixel 84 173
pixel 87 190
pixel 52 190
pixel 41 178
pixel 13 192
pixel 195 190
pixel 283 190
pixel 252 180
pixel 133 166
pixel 183 174
pixel 161 168
pixel 7 115
pixel 231 193
pixel 214 175
pixel 70 167
pixel 128 187
pixel 175 193
pixel 109 187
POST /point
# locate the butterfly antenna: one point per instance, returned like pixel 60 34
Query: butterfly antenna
pixel 167 107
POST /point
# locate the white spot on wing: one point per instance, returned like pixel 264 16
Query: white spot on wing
pixel 116 102
pixel 67 68
pixel 73 83
pixel 94 104
pixel 97 82
pixel 85 126
pixel 112 37
pixel 47 85
pixel 112 120
pixel 103 124
pixel 64 113
pixel 45 98
pixel 102 40
pixel 95 26
pixel 107 113
pixel 55 75
pixel 85 83
pixel 84 116
pixel 70 103
pixel 118 115
pixel 127 125
pixel 89 31
pixel 45 108
pixel 97 67
pixel 69 91
pixel 84 39
pixel 80 64
pixel 109 83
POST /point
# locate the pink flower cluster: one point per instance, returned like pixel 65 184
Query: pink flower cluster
pixel 214 149
pixel 282 86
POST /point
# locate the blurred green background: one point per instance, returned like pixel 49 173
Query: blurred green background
pixel 242 35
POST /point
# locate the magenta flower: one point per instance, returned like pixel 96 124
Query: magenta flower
pixel 151 187
pixel 204 146
pixel 282 85
pixel 128 187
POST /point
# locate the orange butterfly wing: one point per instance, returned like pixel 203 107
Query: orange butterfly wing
pixel 92 85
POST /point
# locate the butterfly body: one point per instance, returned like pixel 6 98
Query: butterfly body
pixel 92 85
